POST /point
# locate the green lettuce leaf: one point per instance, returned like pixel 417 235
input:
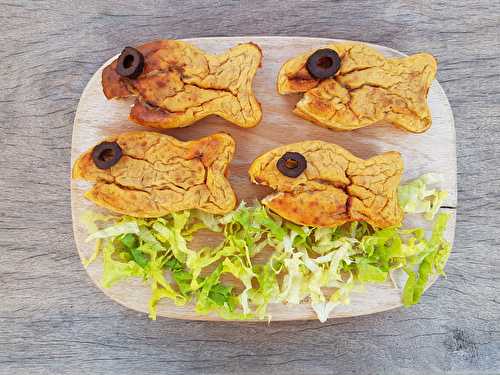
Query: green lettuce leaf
pixel 417 196
pixel 368 273
pixel 244 273
pixel 215 296
pixel 319 266
pixel 172 234
pixel 267 290
pixel 115 230
pixel 209 221
pixel 293 288
pixel 159 292
pixel 114 270
pixel 323 309
pixel 437 251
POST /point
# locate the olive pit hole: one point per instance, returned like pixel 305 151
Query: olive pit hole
pixel 128 61
pixel 325 62
pixel 106 154
pixel 291 163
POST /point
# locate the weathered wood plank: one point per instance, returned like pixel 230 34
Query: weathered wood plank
pixel 53 320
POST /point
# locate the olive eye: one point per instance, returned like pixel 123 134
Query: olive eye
pixel 291 164
pixel 130 64
pixel 323 63
pixel 106 154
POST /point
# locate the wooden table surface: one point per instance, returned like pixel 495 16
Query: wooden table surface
pixel 53 320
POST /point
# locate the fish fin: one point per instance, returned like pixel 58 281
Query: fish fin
pixel 146 115
pixel 320 208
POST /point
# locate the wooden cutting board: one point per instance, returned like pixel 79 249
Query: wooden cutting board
pixel 433 151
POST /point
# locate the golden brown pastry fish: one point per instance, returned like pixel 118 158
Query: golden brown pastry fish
pixel 176 84
pixel 145 174
pixel 321 184
pixel 351 85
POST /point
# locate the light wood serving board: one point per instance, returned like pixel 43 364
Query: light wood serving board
pixel 433 151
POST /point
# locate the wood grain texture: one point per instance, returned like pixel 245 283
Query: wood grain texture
pixel 54 321
pixel 97 117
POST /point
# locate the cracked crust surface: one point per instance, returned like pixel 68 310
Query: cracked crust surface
pixel 159 174
pixel 335 188
pixel 367 89
pixel 181 84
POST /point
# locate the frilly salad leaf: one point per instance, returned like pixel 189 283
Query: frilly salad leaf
pixel 320 266
pixel 421 268
pixel 417 196
pixel 115 230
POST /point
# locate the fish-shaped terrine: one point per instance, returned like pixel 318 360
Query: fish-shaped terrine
pixel 321 184
pixel 146 174
pixel 176 84
pixel 348 86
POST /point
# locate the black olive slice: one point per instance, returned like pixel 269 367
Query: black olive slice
pixel 130 63
pixel 292 164
pixel 323 63
pixel 106 154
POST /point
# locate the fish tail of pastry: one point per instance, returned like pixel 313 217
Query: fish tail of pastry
pixel 373 190
pixel 222 198
pixel 237 103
